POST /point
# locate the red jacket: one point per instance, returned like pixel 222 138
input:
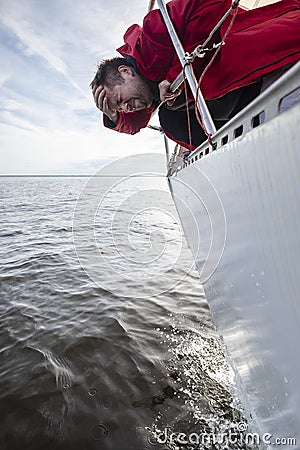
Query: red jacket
pixel 260 41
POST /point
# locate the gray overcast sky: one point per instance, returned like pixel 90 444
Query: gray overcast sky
pixel 49 51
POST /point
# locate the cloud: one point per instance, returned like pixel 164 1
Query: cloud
pixel 49 52
pixel 31 150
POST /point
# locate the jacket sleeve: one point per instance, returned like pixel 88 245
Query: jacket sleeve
pixel 130 122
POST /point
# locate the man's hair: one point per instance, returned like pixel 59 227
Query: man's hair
pixel 108 73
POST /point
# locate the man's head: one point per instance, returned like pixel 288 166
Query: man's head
pixel 125 90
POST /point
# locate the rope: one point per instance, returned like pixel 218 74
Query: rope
pixel 197 112
pixel 198 50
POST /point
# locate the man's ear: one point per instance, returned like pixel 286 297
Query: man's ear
pixel 126 70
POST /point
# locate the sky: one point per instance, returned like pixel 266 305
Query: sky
pixel 49 52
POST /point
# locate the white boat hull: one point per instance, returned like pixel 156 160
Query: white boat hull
pixel 252 284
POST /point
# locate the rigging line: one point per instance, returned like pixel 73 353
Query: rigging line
pixel 197 111
pixel 199 49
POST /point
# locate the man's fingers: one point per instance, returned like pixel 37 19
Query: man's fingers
pixel 104 104
pixel 100 98
pixel 98 93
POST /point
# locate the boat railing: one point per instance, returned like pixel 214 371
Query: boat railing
pixel 283 94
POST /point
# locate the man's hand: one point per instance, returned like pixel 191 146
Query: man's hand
pixel 165 94
pixel 103 104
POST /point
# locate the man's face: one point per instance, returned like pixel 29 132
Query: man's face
pixel 132 95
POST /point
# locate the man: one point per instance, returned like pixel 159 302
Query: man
pixel 261 41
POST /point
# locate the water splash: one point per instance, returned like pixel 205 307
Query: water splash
pixel 210 412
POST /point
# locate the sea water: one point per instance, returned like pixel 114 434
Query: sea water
pixel 106 340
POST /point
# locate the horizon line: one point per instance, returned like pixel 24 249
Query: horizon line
pixel 78 176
